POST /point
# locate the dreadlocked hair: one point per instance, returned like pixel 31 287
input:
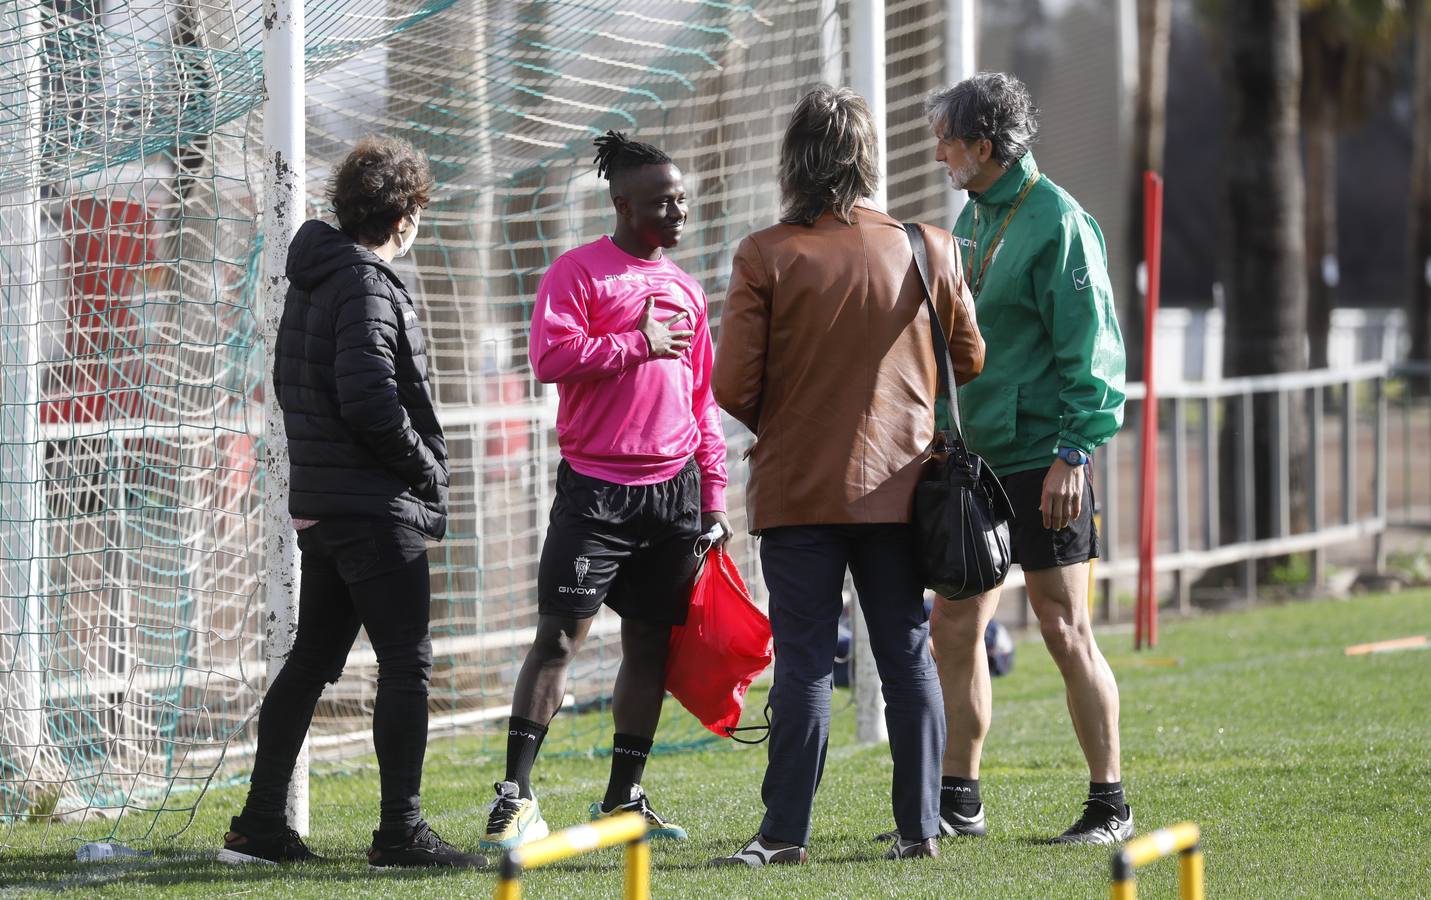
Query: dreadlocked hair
pixel 616 153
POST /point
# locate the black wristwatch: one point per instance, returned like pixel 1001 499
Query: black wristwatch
pixel 1073 456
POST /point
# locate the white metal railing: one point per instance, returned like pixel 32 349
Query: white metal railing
pixel 1309 416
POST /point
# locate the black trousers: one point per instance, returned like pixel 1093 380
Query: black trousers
pixel 805 571
pixel 367 573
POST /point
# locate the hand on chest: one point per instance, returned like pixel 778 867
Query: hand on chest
pixel 619 302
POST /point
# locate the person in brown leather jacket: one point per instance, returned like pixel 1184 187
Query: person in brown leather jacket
pixel 825 353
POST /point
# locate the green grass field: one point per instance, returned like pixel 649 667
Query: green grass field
pixel 1309 772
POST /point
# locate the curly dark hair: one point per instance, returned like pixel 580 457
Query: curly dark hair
pixel 381 180
pixel 829 158
pixel 991 105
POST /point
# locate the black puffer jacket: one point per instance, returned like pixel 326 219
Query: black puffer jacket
pixel 351 375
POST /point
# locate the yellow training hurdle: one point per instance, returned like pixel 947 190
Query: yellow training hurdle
pixel 1181 839
pixel 628 828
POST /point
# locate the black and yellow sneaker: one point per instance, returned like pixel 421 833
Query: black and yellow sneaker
pixel 760 852
pixel 422 849
pixel 1101 823
pixel 640 803
pixel 244 846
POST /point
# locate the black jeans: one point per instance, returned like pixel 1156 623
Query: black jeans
pixel 366 573
pixel 805 571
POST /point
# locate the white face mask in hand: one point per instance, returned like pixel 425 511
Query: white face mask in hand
pixel 405 244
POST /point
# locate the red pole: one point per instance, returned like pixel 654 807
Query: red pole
pixel 1146 619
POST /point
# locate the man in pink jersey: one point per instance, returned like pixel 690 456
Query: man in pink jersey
pixel 622 332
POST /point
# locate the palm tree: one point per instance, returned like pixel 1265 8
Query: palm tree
pixel 1419 221
pixel 1263 197
pixel 1347 60
pixel 1263 189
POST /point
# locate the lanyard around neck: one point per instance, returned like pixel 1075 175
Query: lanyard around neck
pixel 989 254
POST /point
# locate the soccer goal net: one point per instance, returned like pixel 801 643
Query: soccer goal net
pixel 131 553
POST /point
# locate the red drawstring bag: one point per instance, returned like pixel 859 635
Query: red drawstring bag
pixel 723 646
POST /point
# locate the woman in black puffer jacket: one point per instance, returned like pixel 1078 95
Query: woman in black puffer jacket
pixel 368 490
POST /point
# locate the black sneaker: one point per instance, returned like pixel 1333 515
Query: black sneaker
pixel 951 824
pixel 270 849
pixel 640 803
pixel 422 849
pixel 1099 824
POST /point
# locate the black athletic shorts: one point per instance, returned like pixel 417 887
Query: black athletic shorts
pixel 631 547
pixel 1037 547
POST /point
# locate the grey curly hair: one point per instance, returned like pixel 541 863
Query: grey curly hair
pixel 990 105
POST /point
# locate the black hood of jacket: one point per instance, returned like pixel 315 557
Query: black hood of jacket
pixel 318 250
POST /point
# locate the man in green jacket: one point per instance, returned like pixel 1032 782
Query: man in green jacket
pixel 1050 394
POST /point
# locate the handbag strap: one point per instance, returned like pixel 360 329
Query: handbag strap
pixel 942 361
pixel 731 732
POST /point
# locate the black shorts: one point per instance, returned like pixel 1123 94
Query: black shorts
pixel 1037 547
pixel 631 547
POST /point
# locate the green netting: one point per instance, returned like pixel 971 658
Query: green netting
pixel 131 612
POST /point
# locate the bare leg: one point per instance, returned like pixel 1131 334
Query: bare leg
pixel 542 681
pixel 1059 598
pixel 641 680
pixel 956 629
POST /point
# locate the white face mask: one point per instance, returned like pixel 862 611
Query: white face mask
pixel 405 244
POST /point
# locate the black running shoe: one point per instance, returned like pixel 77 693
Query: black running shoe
pixel 422 849
pixel 282 846
pixel 640 803
pixel 952 824
pixel 1099 824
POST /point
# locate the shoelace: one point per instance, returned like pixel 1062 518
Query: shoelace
pixel 426 837
pixel 292 842
pixel 643 806
pixel 502 815
pixel 1095 813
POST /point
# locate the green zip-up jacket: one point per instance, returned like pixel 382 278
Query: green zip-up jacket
pixel 1053 373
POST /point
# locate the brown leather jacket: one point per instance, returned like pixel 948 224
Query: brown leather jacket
pixel 824 352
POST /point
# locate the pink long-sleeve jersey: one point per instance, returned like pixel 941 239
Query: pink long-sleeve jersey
pixel 622 416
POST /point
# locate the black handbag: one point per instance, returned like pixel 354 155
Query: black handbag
pixel 961 513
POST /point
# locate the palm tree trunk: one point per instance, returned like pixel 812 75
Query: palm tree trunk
pixel 1321 174
pixel 1266 274
pixel 1264 191
pixel 1419 220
